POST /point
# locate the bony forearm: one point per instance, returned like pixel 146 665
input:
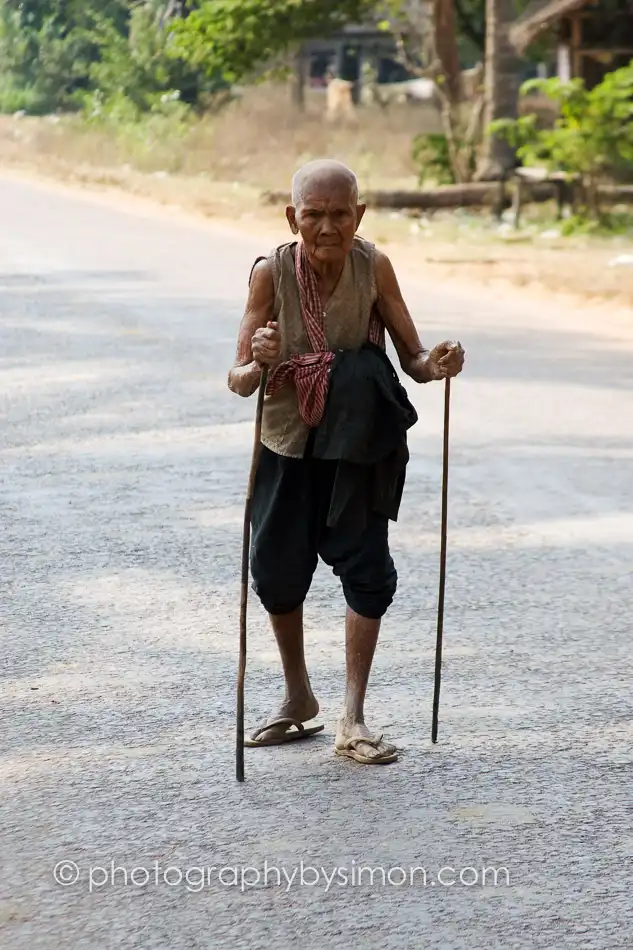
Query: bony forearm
pixel 244 380
pixel 420 367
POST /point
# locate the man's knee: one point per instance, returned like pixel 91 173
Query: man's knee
pixel 279 588
pixel 276 600
pixel 371 596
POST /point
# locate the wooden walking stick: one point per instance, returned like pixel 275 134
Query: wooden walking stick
pixel 246 550
pixel 440 600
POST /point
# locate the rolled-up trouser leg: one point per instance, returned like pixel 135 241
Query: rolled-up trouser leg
pixel 291 500
pixel 364 565
pixel 284 537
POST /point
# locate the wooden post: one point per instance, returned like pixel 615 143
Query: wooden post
pixel 500 198
pixel 563 62
pixel 299 79
pixel 517 200
pixel 560 198
pixel 357 92
pixel 340 60
pixel 576 44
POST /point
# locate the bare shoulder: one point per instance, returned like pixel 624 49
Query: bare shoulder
pixel 385 274
pixel 261 285
pixel 381 258
pixel 262 272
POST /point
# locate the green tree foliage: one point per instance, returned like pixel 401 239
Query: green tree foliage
pixel 61 54
pixel 135 70
pixel 46 49
pixel 431 156
pixel 231 38
pixel 129 54
pixel 592 136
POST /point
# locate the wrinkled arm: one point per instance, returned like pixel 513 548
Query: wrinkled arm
pixel 245 374
pixel 414 359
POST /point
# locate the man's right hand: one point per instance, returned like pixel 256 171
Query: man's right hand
pixel 258 341
pixel 266 344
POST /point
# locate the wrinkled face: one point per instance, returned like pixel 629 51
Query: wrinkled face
pixel 327 218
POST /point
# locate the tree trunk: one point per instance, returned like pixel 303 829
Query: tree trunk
pixel 502 81
pixel 445 42
pixel 471 194
pixel 299 79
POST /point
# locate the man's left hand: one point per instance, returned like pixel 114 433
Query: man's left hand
pixel 446 359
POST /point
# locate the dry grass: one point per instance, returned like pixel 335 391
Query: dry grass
pixel 262 139
pixel 259 139
pixel 219 166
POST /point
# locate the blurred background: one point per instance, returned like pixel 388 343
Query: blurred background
pixel 484 121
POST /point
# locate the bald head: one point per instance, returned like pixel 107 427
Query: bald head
pixel 325 211
pixel 323 173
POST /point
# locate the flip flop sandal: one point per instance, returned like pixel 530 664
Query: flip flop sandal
pixel 300 732
pixel 349 750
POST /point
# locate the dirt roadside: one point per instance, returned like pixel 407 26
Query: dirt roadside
pixel 580 280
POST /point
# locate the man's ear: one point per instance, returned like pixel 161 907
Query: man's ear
pixel 291 217
pixel 360 212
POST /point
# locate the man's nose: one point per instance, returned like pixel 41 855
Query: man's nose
pixel 327 226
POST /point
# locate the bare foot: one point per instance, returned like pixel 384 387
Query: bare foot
pixel 302 708
pixel 375 750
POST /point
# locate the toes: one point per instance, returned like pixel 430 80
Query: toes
pixel 381 751
pixel 273 733
pixel 369 751
pixel 366 745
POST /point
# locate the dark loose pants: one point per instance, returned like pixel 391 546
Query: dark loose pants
pixel 291 500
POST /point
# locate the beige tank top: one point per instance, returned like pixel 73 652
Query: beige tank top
pixel 346 321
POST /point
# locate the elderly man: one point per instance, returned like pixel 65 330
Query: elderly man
pixel 333 453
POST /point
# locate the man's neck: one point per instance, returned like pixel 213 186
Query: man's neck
pixel 327 272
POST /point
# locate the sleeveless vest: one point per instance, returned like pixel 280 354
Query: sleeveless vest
pixel 346 320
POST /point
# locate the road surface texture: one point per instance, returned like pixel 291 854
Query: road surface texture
pixel 124 462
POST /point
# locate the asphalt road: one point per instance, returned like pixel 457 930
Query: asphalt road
pixel 123 469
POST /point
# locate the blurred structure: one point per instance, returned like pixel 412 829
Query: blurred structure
pixel 592 39
pixel 345 55
pixel 363 52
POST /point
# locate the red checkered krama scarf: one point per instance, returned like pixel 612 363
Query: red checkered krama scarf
pixel 310 371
